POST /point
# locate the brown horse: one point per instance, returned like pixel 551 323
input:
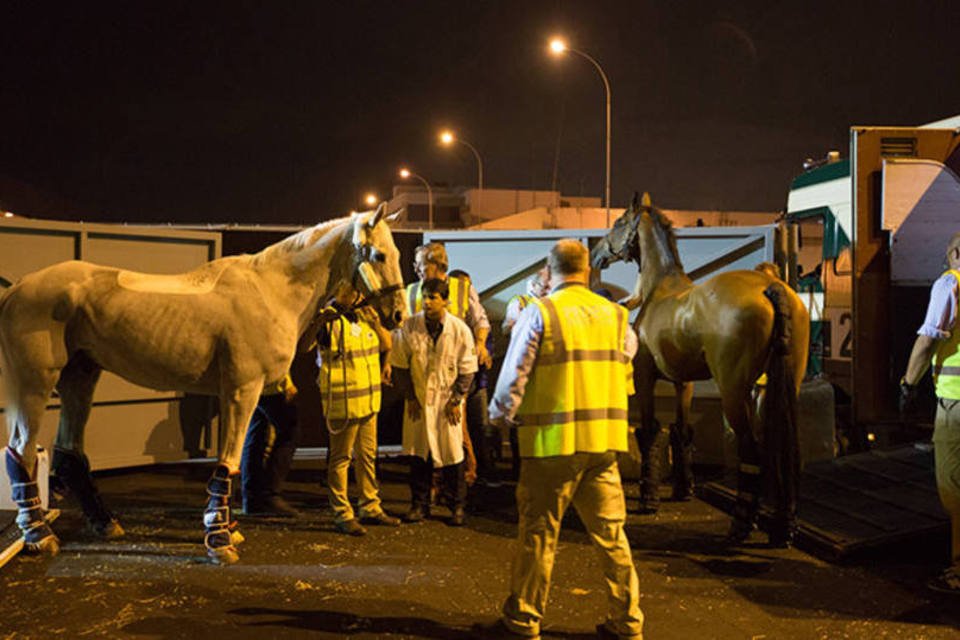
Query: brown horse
pixel 733 328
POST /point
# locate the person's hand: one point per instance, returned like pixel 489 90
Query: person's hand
pixel 289 393
pixel 414 410
pixel 483 356
pixel 386 374
pixel 327 314
pixel 907 401
pixel 452 411
pixel 369 315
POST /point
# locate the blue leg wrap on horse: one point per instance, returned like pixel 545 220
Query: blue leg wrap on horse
pixel 26 494
pixel 216 517
pixel 72 468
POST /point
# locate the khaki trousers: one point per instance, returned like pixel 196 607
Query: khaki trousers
pixel 358 437
pixel 547 486
pixel 946 451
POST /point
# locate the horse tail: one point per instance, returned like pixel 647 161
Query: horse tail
pixel 779 418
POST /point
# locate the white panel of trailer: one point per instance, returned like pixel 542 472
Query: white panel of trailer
pixel 129 425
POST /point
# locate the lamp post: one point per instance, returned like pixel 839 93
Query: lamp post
pixel 559 47
pixel 406 173
pixel 447 138
pixel 370 199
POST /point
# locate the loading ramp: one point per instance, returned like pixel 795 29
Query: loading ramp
pixel 860 502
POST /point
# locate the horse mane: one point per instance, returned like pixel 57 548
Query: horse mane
pixel 663 231
pixel 298 241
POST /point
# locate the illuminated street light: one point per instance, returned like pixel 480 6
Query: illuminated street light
pixel 406 173
pixel 559 47
pixel 447 138
pixel 371 199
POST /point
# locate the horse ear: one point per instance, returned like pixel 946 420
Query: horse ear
pixel 645 201
pixel 393 217
pixel 635 203
pixel 377 215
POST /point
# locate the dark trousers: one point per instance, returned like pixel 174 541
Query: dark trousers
pixel 262 473
pixel 486 441
pixel 421 479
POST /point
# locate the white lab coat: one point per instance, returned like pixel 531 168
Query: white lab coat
pixel 433 370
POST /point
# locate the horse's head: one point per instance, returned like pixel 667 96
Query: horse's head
pixel 620 243
pixel 376 273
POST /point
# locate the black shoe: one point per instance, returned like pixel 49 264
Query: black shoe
pixel 603 633
pixel 458 518
pixel 351 527
pixel 269 506
pixel 416 514
pixel 946 582
pixel 382 518
pixel 497 630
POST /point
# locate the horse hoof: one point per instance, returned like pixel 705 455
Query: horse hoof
pixel 110 530
pixel 49 546
pixel 224 555
pixel 236 538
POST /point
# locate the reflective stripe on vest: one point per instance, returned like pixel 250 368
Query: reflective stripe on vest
pixel 523 299
pixel 946 361
pixel 350 375
pixel 576 398
pixel 457 303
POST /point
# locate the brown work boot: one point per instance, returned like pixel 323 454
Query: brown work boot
pixel 351 527
pixel 382 518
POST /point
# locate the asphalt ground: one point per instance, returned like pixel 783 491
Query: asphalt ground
pixel 302 579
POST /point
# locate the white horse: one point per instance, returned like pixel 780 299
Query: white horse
pixel 226 329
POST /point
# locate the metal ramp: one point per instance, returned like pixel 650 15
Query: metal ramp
pixel 860 502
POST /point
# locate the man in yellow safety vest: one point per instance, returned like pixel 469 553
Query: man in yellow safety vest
pixel 349 348
pixel 938 343
pixel 570 427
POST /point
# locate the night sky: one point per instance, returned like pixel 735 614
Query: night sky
pixel 289 111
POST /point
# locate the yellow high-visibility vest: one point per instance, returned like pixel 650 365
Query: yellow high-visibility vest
pixel 523 299
pixel 457 303
pixel 576 398
pixel 946 361
pixel 350 372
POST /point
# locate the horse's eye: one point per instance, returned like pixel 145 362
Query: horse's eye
pixel 379 256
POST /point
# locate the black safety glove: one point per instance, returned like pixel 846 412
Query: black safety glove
pixel 908 398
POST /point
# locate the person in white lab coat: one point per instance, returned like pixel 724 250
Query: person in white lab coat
pixel 434 361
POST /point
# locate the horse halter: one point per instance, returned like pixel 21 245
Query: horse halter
pixel 366 280
pixel 624 251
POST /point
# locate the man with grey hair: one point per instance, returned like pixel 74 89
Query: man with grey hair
pixel 569 429
pixel 938 341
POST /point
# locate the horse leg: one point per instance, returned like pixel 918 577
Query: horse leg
pixel 748 470
pixel 650 437
pixel 71 468
pixel 221 535
pixel 21 464
pixel 681 443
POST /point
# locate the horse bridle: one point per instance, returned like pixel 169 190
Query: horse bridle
pixel 623 253
pixel 366 280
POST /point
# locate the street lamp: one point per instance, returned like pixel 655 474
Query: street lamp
pixel 559 47
pixel 406 173
pixel 370 199
pixel 447 138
